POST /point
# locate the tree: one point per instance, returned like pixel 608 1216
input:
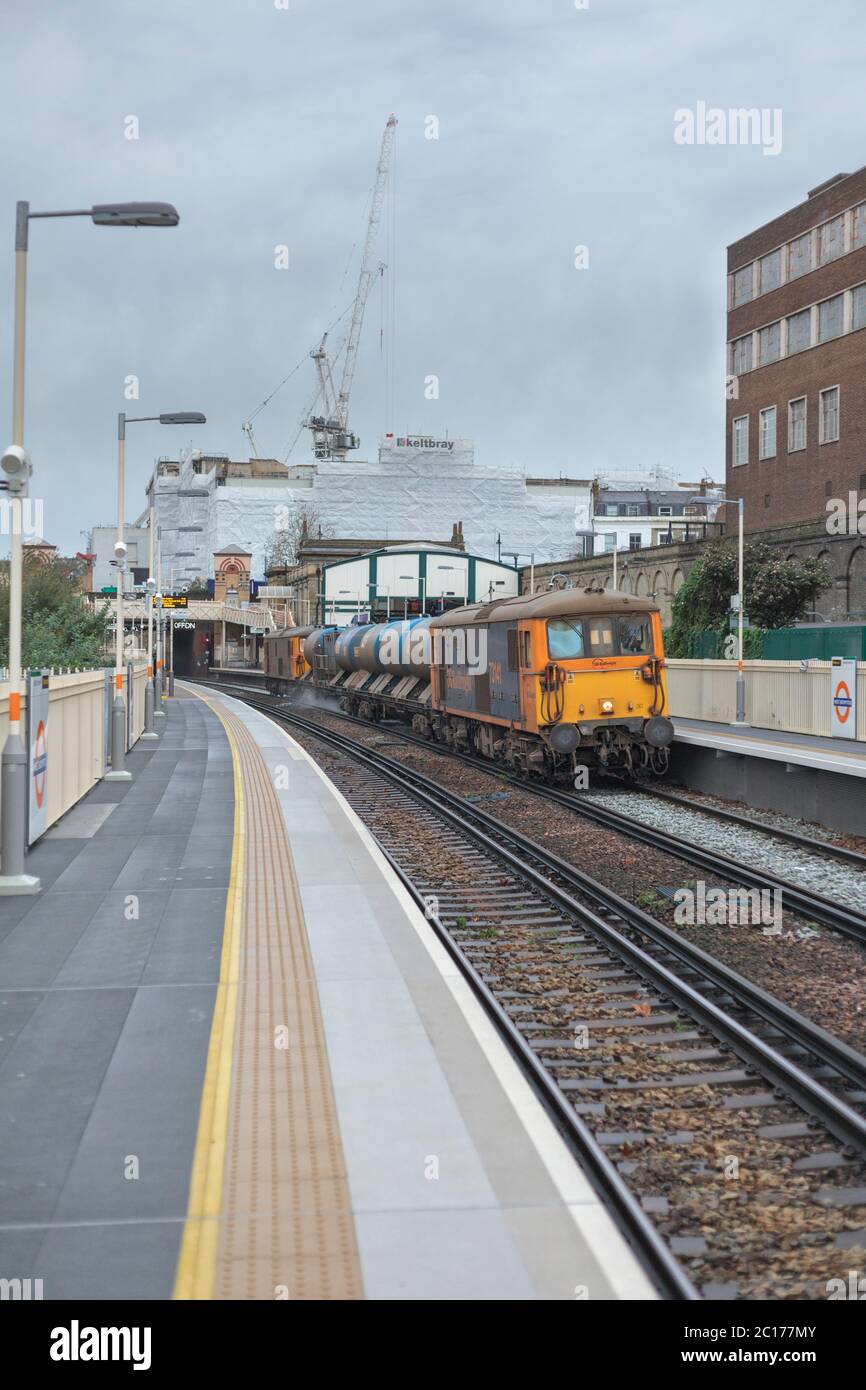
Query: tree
pixel 58 627
pixel 777 592
pixel 294 524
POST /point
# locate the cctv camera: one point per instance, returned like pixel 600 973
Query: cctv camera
pixel 120 549
pixel 16 465
pixel 150 585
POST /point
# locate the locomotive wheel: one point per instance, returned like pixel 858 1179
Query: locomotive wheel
pixel 659 761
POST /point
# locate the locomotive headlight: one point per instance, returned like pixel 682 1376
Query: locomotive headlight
pixel 607 706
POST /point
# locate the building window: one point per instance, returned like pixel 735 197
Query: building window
pixel 828 416
pixel 771 271
pixel 742 355
pixel 610 542
pixel 664 510
pixel 796 424
pixel 858 307
pixel 767 433
pixel 634 540
pixel 800 331
pixel 611 509
pixel 742 286
pixel 858 227
pixel 831 239
pixel 830 318
pixel 770 343
pixel 741 440
pixel 632 509
pixel 800 256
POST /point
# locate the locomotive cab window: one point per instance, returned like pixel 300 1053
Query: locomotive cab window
pixel 602 638
pixel 635 635
pixel 525 649
pixel 564 639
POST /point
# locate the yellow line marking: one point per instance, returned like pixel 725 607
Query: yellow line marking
pixel 196 1266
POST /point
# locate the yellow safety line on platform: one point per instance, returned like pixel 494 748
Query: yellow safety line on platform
pixel 196 1266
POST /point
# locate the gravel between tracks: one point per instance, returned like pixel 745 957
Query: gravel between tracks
pixel 813 969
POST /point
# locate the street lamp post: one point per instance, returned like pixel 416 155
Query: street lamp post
pixel 16 466
pixel 741 677
pixel 118 711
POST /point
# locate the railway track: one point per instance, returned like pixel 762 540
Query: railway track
pixel 726 1130
pixel 811 905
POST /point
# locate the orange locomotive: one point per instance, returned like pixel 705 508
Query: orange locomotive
pixel 544 684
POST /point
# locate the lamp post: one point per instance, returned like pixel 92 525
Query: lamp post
pixel 118 712
pixel 16 466
pixel 741 678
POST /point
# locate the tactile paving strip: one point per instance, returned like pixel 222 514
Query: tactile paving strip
pixel 285 1221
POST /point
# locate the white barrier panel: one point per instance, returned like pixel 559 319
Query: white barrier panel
pixel 779 694
pixel 76 723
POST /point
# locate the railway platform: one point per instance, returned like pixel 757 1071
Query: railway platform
pixel 805 775
pixel 237 1063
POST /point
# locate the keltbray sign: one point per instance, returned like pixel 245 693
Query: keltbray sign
pixel 843 697
pixel 37 754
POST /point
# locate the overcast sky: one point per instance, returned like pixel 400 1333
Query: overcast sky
pixel 262 125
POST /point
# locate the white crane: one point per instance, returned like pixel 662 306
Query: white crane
pixel 331 435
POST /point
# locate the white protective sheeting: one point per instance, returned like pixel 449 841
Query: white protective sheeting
pixel 406 494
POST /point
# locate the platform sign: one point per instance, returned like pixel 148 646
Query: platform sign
pixel 175 601
pixel 843 697
pixel 37 754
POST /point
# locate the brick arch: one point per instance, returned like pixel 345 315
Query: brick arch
pixel 856 580
pixel 678 579
pixel 659 585
pixel 640 585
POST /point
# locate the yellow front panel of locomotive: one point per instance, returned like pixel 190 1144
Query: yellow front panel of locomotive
pixel 612 691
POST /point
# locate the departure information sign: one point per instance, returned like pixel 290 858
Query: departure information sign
pixel 175 601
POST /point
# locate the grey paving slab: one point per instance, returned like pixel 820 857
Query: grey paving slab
pixel 16 1010
pixel 48 1083
pixel 35 950
pixel 189 940
pixel 446 1254
pixel 114 949
pixel 96 865
pixel 81 822
pixel 47 860
pixel 152 862
pixel 109 1261
pixel 144 1120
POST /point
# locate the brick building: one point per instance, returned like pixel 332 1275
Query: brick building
pixel 796 416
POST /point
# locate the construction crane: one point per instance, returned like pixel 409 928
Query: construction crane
pixel 332 437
